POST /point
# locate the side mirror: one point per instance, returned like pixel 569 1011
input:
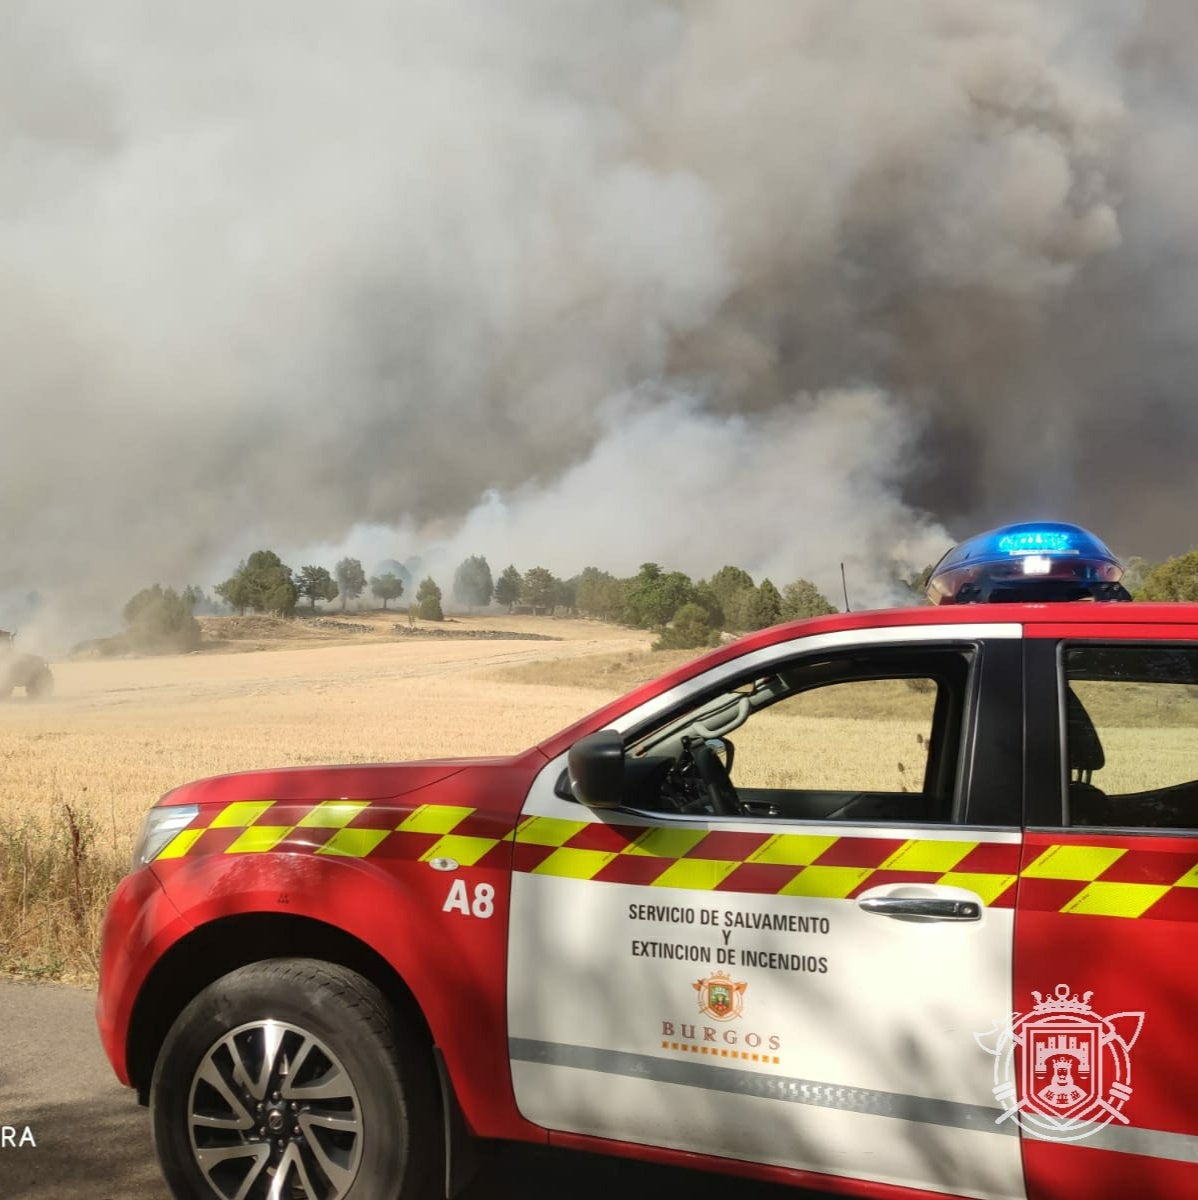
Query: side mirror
pixel 596 766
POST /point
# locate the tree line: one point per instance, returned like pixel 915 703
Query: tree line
pixel 686 613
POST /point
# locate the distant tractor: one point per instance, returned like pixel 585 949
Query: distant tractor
pixel 23 670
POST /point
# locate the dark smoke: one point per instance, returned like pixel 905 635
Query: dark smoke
pixel 775 282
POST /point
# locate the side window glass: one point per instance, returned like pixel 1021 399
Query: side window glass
pixel 1131 736
pixel 869 737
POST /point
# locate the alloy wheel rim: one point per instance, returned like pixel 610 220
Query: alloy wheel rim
pixel 272 1114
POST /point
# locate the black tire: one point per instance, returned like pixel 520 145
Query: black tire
pixel 396 1104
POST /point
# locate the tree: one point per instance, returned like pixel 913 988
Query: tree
pixel 387 587
pixel 392 566
pixel 472 584
pixel 565 593
pixel 690 628
pixel 739 611
pixel 537 587
pixel 803 599
pixel 1135 571
pixel 315 583
pixel 727 583
pixel 599 594
pixel 428 601
pixel 160 621
pixel 351 579
pixel 765 607
pixel 1176 579
pixel 507 587
pixel 734 591
pixel 262 583
pixel 652 598
pixel 199 603
pixel 709 602
pixel 236 591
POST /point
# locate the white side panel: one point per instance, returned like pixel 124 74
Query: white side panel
pixel 875 989
pixel 885 1013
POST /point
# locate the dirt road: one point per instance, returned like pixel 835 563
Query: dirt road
pixel 93 1141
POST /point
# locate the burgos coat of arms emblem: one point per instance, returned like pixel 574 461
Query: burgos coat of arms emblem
pixel 720 997
pixel 1073 1066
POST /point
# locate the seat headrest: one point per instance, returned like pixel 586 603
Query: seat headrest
pixel 1085 748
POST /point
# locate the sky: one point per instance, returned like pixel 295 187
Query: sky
pixel 563 283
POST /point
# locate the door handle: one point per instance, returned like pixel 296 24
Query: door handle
pixel 922 908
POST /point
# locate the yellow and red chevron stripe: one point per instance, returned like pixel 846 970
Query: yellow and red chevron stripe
pixel 348 828
pixel 1110 881
pixel 1139 879
pixel 829 866
pixel 1135 881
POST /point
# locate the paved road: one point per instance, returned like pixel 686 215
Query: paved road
pixel 93 1140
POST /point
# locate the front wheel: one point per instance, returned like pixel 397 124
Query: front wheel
pixel 292 1079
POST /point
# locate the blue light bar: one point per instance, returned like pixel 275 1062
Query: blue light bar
pixel 1038 540
pixel 1031 562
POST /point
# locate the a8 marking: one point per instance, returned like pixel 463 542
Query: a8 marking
pixel 482 905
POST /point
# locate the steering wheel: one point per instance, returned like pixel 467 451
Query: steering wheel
pixel 724 800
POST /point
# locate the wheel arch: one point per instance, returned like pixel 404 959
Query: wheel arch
pixel 220 946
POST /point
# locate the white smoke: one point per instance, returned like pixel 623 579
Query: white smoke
pixel 790 494
pixel 273 273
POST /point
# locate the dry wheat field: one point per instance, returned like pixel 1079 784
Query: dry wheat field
pixel 77 773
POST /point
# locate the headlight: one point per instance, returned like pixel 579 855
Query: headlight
pixel 161 824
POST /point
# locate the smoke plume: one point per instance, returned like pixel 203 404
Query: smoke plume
pixel 779 283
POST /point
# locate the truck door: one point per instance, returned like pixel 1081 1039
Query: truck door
pixel 798 983
pixel 1106 958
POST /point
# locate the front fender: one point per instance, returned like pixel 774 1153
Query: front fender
pixel 442 929
pixel 454 964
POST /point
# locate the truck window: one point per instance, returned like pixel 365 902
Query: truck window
pixel 865 736
pixel 869 735
pixel 1130 719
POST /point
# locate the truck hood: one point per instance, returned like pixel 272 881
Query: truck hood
pixel 353 781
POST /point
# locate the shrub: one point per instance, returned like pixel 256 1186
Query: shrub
pixel 160 621
pixel 690 628
pixel 428 601
pixel 803 599
pixel 1176 579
